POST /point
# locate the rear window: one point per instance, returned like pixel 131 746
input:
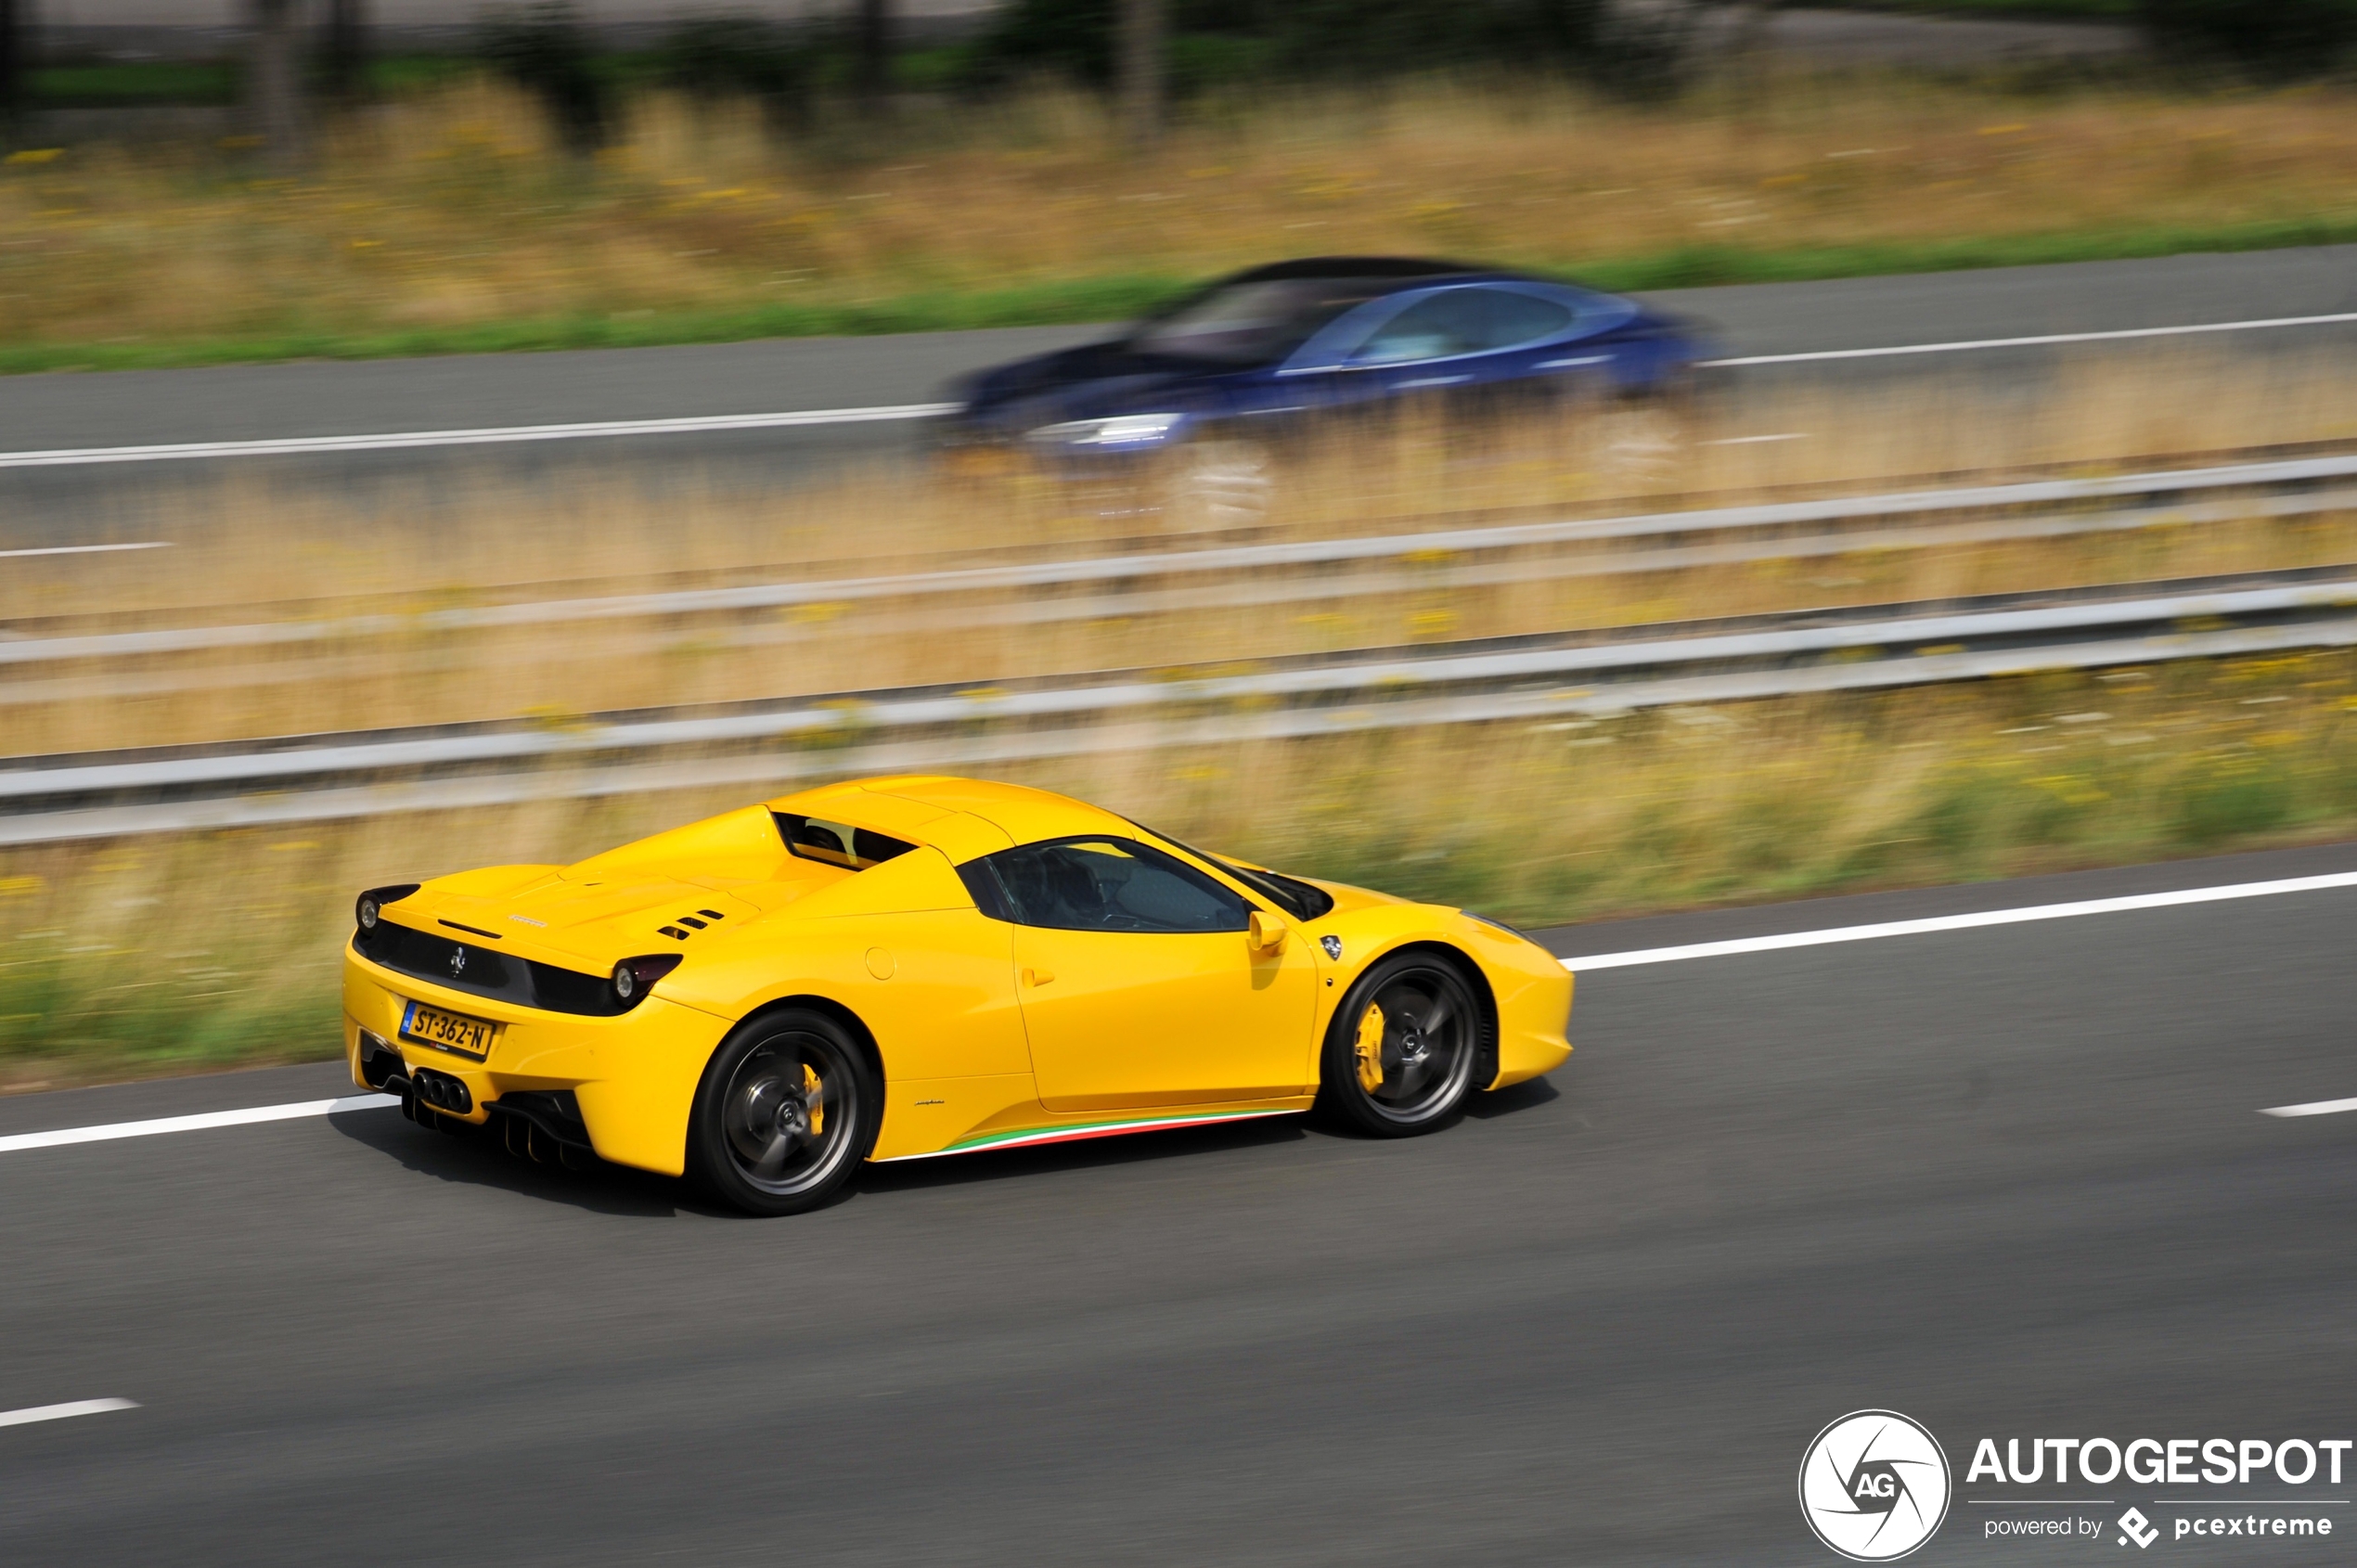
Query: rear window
pixel 837 843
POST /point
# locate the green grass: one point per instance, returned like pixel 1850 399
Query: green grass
pixel 175 83
pixel 158 84
pixel 1122 297
pixel 134 85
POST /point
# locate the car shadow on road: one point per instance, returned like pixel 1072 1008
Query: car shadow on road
pixel 476 1158
pixel 1096 1153
pixel 1527 1096
pixel 1175 1143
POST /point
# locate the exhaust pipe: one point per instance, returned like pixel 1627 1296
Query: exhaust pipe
pixel 441 1091
pixel 431 1098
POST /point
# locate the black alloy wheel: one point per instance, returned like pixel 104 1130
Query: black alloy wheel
pixel 1399 1054
pixel 789 1106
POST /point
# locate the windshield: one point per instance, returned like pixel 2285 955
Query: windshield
pixel 1253 323
pixel 1296 897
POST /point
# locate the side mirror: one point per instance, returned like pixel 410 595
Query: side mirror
pixel 1266 932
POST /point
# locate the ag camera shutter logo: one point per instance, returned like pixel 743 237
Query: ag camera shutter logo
pixel 1875 1486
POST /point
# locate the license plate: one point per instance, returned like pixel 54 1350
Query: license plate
pixel 448 1031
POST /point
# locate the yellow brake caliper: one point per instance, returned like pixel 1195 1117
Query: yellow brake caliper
pixel 811 1087
pixel 1369 1049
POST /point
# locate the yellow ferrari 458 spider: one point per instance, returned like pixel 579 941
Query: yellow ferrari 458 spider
pixel 900 968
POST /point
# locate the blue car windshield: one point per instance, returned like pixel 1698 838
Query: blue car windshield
pixel 1257 323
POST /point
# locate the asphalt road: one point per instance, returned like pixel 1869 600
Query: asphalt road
pixel 2009 1182
pixel 258 402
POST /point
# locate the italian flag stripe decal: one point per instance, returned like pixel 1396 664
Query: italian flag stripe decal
pixel 1075 1132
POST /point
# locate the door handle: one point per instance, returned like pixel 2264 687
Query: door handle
pixel 1037 977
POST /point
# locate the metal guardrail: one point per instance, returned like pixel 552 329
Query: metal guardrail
pixel 315 777
pixel 2042 508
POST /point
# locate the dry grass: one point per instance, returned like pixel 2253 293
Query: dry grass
pixel 171 954
pixel 452 211
pixel 254 556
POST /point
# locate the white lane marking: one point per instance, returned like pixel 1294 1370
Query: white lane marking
pixel 194 1123
pixel 1755 439
pixel 399 440
pixel 88 549
pixel 60 1412
pixel 1579 965
pixel 489 436
pixel 1960 922
pixel 2034 343
pixel 2313 1108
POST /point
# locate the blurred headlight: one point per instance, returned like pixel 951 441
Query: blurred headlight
pixel 1123 430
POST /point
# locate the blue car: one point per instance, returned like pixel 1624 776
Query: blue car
pixel 1250 352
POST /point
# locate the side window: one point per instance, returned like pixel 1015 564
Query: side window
pixel 1112 885
pixel 1450 323
pixel 1470 320
pixel 1522 318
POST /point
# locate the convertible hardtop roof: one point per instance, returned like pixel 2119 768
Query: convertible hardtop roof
pixel 958 808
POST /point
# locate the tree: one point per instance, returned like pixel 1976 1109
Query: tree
pixel 274 83
pixel 719 56
pixel 2273 40
pixel 872 43
pixel 550 53
pixel 1141 73
pixel 15 30
pixel 345 56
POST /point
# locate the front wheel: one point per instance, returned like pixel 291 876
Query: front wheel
pixel 1216 485
pixel 788 1108
pixel 1399 1053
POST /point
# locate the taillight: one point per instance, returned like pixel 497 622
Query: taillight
pixel 633 977
pixel 366 907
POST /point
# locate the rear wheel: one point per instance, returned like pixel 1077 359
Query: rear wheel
pixel 788 1108
pixel 1644 444
pixel 1399 1054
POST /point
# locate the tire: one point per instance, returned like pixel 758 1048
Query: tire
pixel 1217 484
pixel 1400 1053
pixel 756 1140
pixel 1644 444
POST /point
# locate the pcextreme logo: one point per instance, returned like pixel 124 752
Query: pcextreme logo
pixel 1875 1486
